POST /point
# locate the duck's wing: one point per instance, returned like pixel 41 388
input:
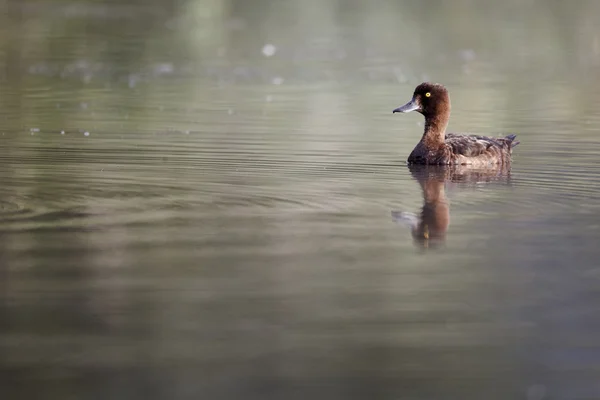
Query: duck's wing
pixel 476 145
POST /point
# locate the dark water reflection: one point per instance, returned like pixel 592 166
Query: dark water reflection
pixel 195 201
pixel 430 226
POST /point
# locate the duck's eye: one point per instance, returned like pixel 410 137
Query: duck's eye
pixel 427 94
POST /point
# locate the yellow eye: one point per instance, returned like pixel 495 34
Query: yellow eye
pixel 427 94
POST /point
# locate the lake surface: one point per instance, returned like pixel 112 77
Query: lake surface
pixel 209 199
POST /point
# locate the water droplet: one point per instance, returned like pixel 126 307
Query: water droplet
pixel 163 69
pixel 467 55
pixel 132 80
pixel 269 50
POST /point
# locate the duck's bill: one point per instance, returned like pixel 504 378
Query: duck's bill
pixel 408 107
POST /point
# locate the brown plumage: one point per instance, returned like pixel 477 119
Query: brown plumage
pixel 441 148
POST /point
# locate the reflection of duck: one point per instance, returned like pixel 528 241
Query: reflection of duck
pixel 440 148
pixel 429 228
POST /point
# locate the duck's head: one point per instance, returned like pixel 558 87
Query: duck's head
pixel 430 99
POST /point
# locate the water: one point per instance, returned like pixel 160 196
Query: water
pixel 210 200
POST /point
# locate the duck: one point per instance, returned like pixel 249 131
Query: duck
pixel 437 147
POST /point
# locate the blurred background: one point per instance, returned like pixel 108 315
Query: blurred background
pixel 199 199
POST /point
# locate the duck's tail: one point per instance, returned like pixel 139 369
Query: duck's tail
pixel 511 140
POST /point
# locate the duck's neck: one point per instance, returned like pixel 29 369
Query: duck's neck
pixel 435 214
pixel 435 129
pixel 433 191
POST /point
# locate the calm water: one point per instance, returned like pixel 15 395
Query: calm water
pixel 209 200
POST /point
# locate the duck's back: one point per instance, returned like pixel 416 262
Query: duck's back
pixel 465 150
pixel 477 149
